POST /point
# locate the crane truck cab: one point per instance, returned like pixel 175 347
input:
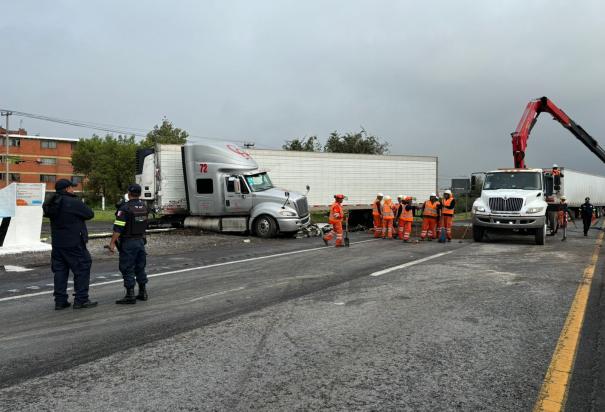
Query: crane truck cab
pixel 511 200
pixel 217 186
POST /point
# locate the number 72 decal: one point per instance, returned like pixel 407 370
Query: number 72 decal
pixel 203 167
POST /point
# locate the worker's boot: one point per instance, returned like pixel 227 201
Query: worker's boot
pixel 128 299
pixel 142 292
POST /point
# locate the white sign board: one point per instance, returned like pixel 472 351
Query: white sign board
pixel 8 204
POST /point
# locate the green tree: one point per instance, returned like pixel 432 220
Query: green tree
pixel 310 144
pixel 359 142
pixel 166 134
pixel 108 163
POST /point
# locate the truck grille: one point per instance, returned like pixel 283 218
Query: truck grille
pixel 513 204
pixel 302 206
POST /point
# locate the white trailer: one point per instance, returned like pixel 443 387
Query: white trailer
pixel 358 176
pixel 576 186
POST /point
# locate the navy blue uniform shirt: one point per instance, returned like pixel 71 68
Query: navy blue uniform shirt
pixel 68 215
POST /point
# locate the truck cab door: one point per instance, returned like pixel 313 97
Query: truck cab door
pixel 238 200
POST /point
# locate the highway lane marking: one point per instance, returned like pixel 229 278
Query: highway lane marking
pixel 554 390
pixel 408 264
pixel 172 272
pixel 218 293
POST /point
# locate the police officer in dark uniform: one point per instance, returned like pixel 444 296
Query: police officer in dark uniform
pixel 129 237
pixel 586 211
pixel 68 216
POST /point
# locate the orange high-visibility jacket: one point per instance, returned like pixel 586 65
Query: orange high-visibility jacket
pixel 430 209
pixel 407 215
pixel 446 204
pixel 387 211
pixel 376 208
pixel 336 213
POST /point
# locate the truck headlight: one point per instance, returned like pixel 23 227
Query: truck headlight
pixel 287 213
pixel 535 210
pixel 478 208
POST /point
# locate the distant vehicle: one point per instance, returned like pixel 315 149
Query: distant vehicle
pixel 218 187
pixel 358 176
pixel 526 200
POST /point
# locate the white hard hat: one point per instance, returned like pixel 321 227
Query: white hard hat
pixel 448 192
pixel 387 197
pixel 563 198
pixel 379 195
pixel 555 165
pixel 400 197
pixel 433 195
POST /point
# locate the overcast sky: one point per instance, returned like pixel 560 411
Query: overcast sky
pixel 446 78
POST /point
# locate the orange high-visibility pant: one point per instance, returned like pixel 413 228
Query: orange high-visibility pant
pixel 447 225
pixel 404 230
pixel 377 225
pixel 429 227
pixel 335 232
pixel 387 228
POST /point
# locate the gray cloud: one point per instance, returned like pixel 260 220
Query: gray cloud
pixel 436 77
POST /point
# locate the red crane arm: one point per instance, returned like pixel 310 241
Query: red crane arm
pixel 528 120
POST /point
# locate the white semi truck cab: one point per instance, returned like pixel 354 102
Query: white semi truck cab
pixel 217 186
pixel 512 200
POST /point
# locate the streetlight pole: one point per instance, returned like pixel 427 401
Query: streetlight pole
pixel 7 113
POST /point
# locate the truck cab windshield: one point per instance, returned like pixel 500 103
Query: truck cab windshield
pixel 522 180
pixel 259 182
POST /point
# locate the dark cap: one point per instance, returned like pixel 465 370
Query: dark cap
pixel 134 189
pixel 63 184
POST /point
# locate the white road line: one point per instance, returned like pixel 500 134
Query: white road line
pixel 217 293
pixel 408 264
pixel 50 284
pixel 33 287
pixel 101 277
pixel 13 290
pixel 172 272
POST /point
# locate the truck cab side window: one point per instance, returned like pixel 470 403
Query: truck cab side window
pixel 204 186
pixel 230 184
pixel 243 186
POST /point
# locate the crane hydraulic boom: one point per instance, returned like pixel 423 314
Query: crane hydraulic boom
pixel 528 120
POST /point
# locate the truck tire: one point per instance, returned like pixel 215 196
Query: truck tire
pixel 478 233
pixel 540 235
pixel 265 227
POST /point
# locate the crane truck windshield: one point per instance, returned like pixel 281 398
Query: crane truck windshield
pixel 259 182
pixel 512 180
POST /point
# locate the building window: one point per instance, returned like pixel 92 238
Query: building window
pixel 48 161
pixel 204 186
pixel 48 144
pixel 14 177
pixel 48 178
pixel 76 180
pixel 14 142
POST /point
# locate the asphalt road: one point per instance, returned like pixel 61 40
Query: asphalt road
pixel 290 325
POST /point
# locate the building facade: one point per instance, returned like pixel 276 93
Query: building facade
pixel 36 159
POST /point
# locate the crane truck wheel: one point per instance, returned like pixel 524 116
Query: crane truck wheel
pixel 265 226
pixel 540 235
pixel 478 233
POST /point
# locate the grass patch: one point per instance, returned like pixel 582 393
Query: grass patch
pixel 106 215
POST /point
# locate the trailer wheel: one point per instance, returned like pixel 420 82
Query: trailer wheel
pixel 540 235
pixel 478 233
pixel 265 226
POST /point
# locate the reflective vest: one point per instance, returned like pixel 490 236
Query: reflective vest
pixel 430 209
pixel 137 220
pixel 446 204
pixel 407 215
pixel 387 211
pixel 376 208
pixel 336 213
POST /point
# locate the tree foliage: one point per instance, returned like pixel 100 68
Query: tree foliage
pixel 310 144
pixel 108 163
pixel 166 134
pixel 360 142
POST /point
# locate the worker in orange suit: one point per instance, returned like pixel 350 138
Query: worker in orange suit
pixel 405 217
pixel 337 215
pixel 377 214
pixel 430 218
pixel 387 218
pixel 447 213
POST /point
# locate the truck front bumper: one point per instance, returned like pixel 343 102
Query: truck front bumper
pixel 293 224
pixel 507 222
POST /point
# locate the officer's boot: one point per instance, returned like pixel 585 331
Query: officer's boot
pixel 142 292
pixel 128 299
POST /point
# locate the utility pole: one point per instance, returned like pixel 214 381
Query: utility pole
pixel 7 142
